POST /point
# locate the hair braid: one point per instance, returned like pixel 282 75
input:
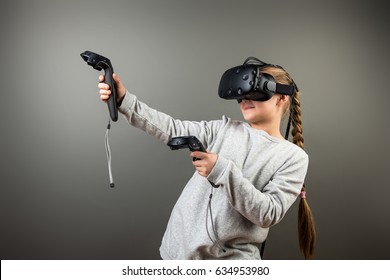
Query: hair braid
pixel 306 227
pixel 296 119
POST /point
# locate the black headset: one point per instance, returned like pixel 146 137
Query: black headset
pixel 247 82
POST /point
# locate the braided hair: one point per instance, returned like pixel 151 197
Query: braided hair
pixel 306 226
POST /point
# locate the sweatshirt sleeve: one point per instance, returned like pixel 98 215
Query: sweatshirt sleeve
pixel 163 126
pixel 268 206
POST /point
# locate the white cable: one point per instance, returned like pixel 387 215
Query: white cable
pixel 108 153
pixel 216 240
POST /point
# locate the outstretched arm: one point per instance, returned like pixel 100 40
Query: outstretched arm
pixel 153 122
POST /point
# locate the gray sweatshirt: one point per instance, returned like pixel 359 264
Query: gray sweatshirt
pixel 259 178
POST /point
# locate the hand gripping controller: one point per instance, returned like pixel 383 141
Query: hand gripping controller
pixel 190 142
pixel 99 62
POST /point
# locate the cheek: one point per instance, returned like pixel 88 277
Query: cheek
pixel 264 108
pixel 251 115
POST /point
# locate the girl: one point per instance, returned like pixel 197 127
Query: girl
pixel 259 175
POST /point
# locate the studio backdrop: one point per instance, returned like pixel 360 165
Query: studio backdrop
pixel 55 199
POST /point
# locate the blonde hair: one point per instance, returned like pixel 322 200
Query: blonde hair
pixel 306 226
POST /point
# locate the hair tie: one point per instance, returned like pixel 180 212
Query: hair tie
pixel 303 194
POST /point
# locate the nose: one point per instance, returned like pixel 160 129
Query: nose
pixel 243 99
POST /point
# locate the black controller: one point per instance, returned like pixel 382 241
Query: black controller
pixel 99 63
pixel 183 142
pixel 190 142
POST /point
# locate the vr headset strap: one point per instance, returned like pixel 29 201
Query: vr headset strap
pixel 284 89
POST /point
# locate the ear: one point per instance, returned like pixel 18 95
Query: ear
pixel 282 99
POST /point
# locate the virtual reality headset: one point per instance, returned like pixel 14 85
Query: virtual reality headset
pixel 247 82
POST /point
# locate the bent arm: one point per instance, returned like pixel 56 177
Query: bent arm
pixel 267 207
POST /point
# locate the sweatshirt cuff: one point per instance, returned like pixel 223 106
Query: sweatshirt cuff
pixel 218 170
pixel 127 103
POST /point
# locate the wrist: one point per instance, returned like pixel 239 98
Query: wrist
pixel 218 169
pixel 120 98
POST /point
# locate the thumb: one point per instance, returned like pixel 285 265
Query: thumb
pixel 116 78
pixel 120 87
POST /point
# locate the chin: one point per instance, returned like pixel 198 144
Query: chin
pixel 248 117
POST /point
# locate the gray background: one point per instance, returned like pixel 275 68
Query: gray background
pixel 55 199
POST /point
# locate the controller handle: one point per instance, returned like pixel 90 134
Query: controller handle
pixel 99 63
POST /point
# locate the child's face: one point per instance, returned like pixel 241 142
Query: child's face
pixel 261 112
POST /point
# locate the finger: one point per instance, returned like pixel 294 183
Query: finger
pixel 197 164
pixel 104 92
pixel 198 154
pixel 101 78
pixel 202 172
pixel 103 86
pixel 104 97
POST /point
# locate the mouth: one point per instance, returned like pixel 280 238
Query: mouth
pixel 247 106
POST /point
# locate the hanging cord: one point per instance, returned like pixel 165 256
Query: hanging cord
pixel 288 127
pixel 289 117
pixel 108 153
pixel 216 241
